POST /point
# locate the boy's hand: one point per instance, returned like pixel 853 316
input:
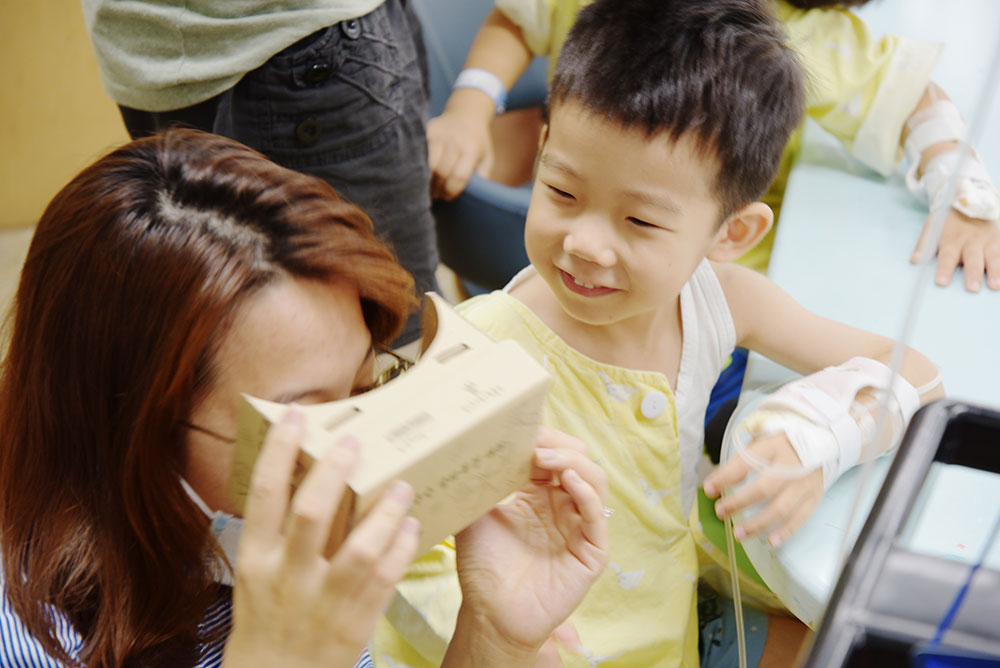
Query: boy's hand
pixel 458 141
pixel 973 243
pixel 791 500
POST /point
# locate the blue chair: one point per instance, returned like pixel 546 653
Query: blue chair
pixel 480 232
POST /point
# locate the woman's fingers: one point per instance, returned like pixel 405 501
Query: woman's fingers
pixel 268 498
pixel 376 533
pixel 316 501
pixel 553 438
pixel 580 517
pixel 555 451
pixel 550 461
pixel 374 558
pixel 593 524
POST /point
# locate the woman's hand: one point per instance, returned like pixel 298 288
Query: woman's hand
pixel 527 564
pixel 790 500
pixel 294 606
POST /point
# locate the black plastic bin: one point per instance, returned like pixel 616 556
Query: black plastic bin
pixel 889 600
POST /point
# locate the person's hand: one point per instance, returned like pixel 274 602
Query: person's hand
pixel 293 605
pixel 973 243
pixel 791 500
pixel 527 564
pixel 458 141
pixel 565 636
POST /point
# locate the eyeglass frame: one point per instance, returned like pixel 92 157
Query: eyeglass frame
pixel 397 368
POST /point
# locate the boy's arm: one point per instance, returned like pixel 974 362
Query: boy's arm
pixel 970 240
pixel 770 322
pixel 459 139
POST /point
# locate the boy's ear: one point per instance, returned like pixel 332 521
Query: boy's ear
pixel 542 136
pixel 741 231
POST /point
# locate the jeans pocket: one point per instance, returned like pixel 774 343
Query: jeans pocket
pixel 335 93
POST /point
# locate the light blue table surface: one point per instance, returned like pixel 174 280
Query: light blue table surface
pixel 842 250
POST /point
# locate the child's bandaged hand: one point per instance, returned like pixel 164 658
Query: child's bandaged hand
pixel 970 242
pixel 790 501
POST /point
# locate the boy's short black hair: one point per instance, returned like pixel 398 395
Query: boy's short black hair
pixel 718 69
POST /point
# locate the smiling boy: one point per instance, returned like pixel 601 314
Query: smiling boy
pixel 667 119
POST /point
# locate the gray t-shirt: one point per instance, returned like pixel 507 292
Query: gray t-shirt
pixel 170 54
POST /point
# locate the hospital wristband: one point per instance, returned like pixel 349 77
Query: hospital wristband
pixel 485 81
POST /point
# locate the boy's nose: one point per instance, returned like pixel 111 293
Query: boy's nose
pixel 590 240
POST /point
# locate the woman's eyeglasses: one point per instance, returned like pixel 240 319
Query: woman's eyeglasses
pixel 387 365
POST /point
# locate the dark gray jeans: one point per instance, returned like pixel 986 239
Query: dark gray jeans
pixel 347 104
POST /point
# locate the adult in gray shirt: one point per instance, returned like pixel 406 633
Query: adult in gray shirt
pixel 332 88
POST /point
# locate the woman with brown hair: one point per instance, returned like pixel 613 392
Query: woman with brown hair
pixel 165 279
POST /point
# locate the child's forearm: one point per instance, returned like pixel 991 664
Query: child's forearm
pixel 499 48
pixel 919 372
pixel 925 378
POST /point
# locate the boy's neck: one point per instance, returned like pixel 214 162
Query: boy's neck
pixel 648 342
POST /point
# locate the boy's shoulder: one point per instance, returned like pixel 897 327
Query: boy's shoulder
pixel 497 313
pixel 499 307
pixel 743 287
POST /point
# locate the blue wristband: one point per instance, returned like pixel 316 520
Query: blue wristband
pixel 486 82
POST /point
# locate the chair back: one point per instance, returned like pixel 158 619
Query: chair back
pixel 481 232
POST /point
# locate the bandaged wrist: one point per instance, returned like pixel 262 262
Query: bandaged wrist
pixel 826 424
pixel 485 81
pixel 975 196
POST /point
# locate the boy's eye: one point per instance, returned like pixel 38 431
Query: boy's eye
pixel 640 223
pixel 562 194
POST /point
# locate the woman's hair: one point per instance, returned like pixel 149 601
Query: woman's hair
pixel 133 273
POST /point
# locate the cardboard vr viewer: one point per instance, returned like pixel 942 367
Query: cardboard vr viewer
pixel 459 426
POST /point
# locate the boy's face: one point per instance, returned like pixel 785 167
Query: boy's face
pixel 618 221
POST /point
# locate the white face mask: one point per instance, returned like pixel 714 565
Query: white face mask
pixel 227 530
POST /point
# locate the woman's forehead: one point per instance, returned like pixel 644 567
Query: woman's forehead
pixel 295 338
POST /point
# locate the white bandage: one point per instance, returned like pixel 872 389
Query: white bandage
pixel 825 425
pixel 975 195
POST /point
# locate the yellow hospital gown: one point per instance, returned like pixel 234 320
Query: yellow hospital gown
pixel 860 88
pixel 642 609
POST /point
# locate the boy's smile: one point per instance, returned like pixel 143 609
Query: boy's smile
pixel 618 220
pixel 581 288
